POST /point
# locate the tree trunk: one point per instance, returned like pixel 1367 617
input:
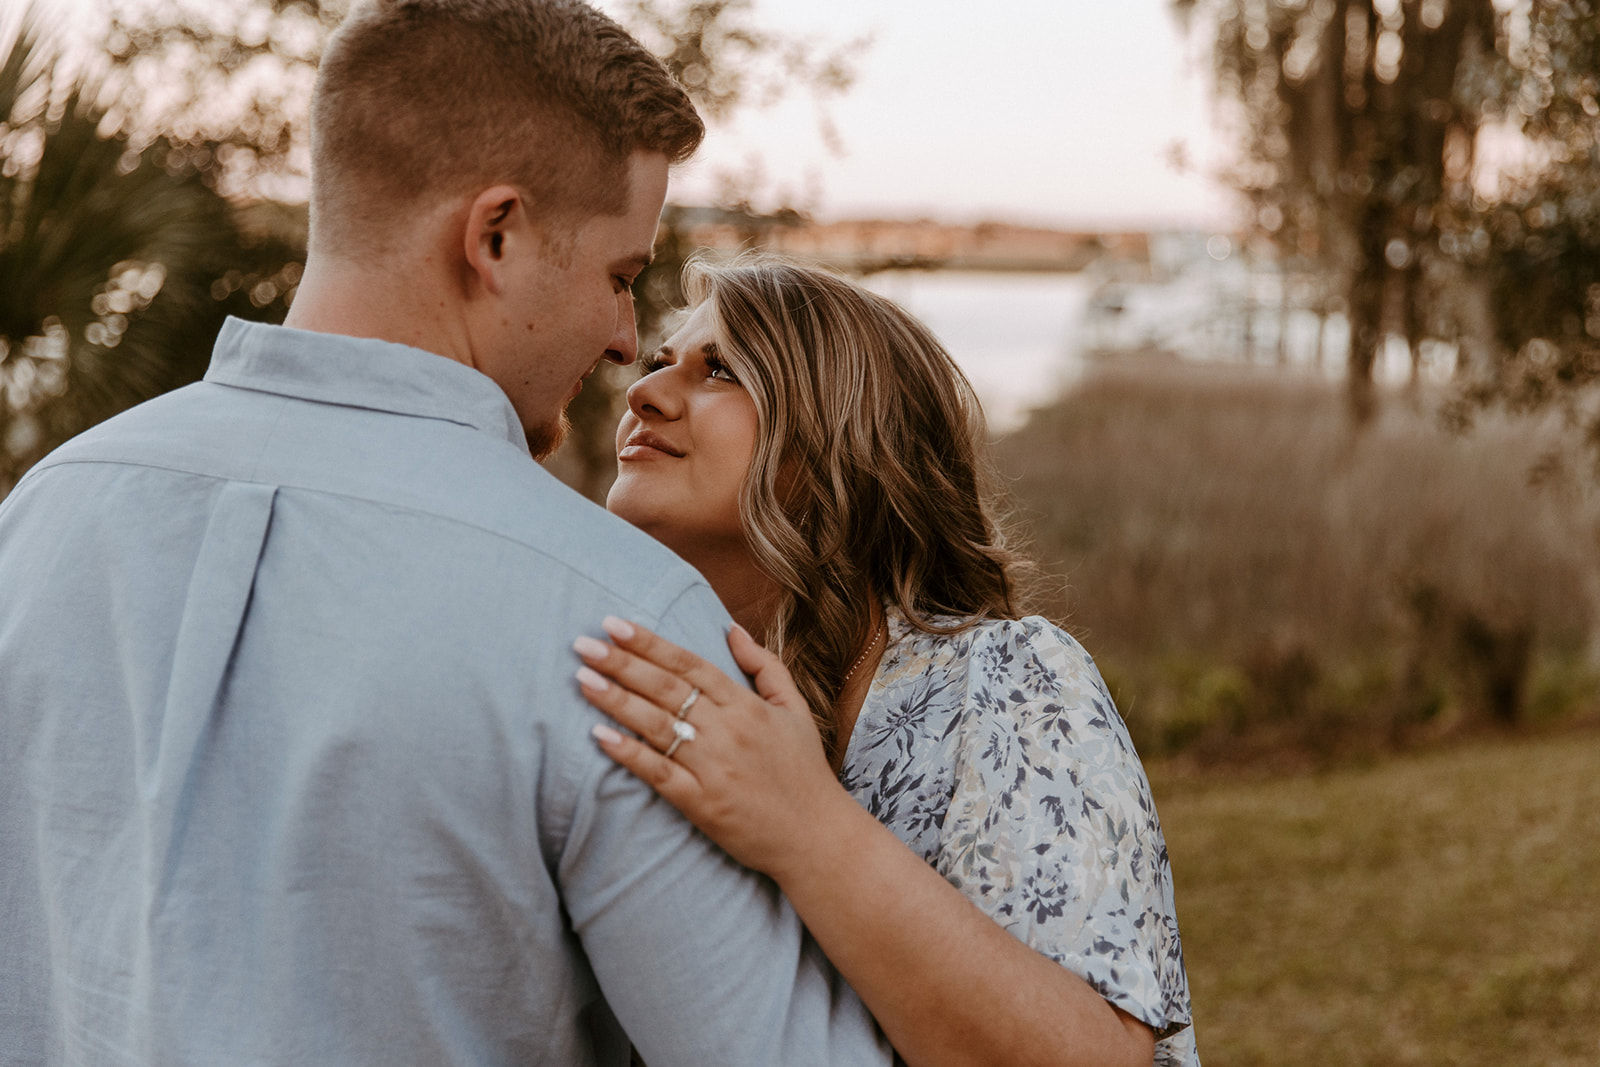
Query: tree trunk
pixel 1480 354
pixel 1283 317
pixel 1411 308
pixel 1366 316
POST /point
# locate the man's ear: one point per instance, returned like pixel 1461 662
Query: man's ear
pixel 496 219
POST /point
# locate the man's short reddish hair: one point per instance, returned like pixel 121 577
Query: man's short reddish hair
pixel 421 99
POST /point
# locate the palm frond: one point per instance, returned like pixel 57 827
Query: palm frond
pixel 111 260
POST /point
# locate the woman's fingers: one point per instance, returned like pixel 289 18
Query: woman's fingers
pixel 660 687
pixel 755 771
pixel 772 679
pixel 668 777
pixel 644 717
pixel 751 655
pixel 658 652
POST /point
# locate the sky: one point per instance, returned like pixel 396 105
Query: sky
pixel 1061 112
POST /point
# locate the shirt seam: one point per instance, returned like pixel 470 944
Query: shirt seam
pixel 266 440
pixel 638 601
pixel 354 405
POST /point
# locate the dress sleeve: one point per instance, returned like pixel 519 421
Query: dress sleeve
pixel 1051 829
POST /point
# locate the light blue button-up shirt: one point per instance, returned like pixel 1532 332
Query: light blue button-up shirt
pixel 293 769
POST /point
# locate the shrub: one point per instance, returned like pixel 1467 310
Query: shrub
pixel 1254 569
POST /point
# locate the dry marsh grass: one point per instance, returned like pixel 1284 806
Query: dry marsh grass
pixel 1256 579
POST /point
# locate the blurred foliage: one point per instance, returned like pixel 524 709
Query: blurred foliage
pixel 166 190
pixel 1362 126
pixel 118 258
pixel 1544 227
pixel 236 75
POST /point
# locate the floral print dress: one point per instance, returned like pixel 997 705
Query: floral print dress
pixel 997 755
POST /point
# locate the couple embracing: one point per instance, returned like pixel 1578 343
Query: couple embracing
pixel 333 730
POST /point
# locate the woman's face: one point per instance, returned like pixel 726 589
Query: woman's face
pixel 685 445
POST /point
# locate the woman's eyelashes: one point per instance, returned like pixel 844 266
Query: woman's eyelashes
pixel 716 367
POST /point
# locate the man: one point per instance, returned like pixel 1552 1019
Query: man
pixel 293 768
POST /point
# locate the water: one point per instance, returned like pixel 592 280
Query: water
pixel 1023 339
pixel 1017 337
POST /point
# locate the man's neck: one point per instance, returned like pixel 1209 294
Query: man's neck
pixel 339 297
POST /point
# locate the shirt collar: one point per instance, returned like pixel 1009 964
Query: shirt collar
pixel 363 373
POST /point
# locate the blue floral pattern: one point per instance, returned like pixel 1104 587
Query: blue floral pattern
pixel 997 755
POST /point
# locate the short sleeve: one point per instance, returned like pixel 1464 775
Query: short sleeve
pixel 1051 829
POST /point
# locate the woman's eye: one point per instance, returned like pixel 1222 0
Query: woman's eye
pixel 719 372
pixel 649 364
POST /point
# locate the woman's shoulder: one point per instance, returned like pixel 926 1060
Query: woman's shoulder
pixel 1033 635
pixel 963 635
pixel 1016 670
pixel 1031 656
pixel 1031 679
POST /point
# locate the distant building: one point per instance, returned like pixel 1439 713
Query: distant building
pixel 870 245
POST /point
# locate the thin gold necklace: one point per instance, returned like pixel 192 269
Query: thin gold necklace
pixel 851 673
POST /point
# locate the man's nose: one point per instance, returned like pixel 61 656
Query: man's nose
pixel 624 346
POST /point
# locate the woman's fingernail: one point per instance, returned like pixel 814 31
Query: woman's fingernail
pixel 592 680
pixel 733 626
pixel 621 629
pixel 589 648
pixel 605 733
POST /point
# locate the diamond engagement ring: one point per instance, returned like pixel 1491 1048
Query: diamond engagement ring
pixel 688 702
pixel 681 732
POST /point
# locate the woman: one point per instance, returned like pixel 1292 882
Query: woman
pixel 815 453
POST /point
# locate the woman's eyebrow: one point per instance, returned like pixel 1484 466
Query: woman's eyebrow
pixel 710 350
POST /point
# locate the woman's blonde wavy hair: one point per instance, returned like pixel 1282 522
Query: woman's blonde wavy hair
pixel 870 479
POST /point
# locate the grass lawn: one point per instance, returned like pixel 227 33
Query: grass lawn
pixel 1441 908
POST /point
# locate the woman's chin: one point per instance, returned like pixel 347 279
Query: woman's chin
pixel 628 506
pixel 622 501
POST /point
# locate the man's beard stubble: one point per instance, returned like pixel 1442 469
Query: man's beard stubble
pixel 543 440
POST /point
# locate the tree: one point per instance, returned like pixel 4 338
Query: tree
pixel 1360 125
pixel 1539 238
pixel 1356 131
pixel 118 261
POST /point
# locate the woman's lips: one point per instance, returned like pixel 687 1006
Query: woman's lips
pixel 643 444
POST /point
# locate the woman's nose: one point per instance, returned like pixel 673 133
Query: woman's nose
pixel 656 395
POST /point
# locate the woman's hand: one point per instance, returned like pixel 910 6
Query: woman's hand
pixel 755 778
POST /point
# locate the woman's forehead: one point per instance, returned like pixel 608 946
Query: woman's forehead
pixel 690 328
